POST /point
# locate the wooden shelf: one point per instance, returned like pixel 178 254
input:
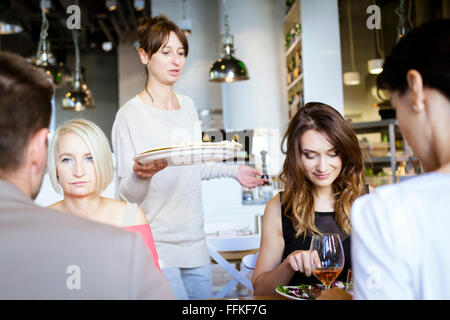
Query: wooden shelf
pixel 387 160
pixel 290 15
pixel 373 126
pixel 292 47
pixel 295 82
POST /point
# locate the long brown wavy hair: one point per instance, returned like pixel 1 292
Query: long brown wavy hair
pixel 298 196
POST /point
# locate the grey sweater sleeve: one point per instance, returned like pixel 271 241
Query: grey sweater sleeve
pixel 218 170
pixel 129 187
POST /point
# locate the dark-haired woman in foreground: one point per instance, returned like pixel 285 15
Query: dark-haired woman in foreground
pixel 323 175
pixel 400 233
pixel 170 196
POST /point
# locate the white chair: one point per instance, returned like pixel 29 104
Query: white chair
pixel 232 243
pixel 249 261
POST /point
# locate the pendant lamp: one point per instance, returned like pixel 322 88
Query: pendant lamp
pixel 185 24
pixel 44 59
pixel 351 78
pixel 375 66
pixel 227 68
pixel 79 97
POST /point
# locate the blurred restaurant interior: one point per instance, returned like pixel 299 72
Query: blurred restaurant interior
pixel 294 52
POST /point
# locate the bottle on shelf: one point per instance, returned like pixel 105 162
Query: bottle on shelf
pixel 298 61
pixel 294 63
pixel 294 35
pixel 298 29
pixel 265 191
pixel 288 40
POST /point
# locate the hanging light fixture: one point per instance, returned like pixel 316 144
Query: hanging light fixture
pixel 228 68
pixel 44 58
pixel 79 97
pixel 351 78
pixel 46 5
pixel 375 66
pixel 185 24
pixel 401 27
pixel 8 23
pixel 111 5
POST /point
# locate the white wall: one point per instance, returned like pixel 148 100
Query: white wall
pixel 223 208
pixel 257 27
pixel 321 51
pixel 203 51
pixel 131 74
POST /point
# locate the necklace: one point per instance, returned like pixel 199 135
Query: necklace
pixel 149 95
pixel 146 90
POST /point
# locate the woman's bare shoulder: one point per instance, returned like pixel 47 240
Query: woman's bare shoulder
pixel 273 206
pixel 57 205
pixel 116 206
pixel 121 207
pixel 114 203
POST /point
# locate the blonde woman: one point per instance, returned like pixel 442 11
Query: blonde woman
pixel 80 166
pixel 323 175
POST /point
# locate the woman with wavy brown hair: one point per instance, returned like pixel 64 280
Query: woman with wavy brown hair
pixel 323 174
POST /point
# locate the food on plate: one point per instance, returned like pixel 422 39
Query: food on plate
pixel 307 291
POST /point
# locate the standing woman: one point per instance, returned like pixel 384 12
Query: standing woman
pixel 170 197
pixel 323 175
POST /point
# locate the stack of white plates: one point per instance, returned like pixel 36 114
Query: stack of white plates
pixel 192 154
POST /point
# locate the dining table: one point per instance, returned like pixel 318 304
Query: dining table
pixel 264 297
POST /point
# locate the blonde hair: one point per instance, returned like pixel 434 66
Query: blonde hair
pixel 98 146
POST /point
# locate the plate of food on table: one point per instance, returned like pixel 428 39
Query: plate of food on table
pixel 305 291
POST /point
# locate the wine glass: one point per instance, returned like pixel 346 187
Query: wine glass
pixel 327 257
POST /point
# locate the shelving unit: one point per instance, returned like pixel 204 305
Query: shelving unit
pixel 293 56
pixel 293 46
pixel 390 126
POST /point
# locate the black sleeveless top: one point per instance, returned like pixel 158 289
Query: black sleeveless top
pixel 325 223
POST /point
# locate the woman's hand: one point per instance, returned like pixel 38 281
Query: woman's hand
pixel 303 261
pixel 149 169
pixel 249 177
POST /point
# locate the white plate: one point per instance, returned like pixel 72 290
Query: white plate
pixel 289 296
pixel 189 155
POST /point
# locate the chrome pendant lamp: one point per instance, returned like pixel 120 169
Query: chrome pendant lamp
pixel 44 59
pixel 375 66
pixel 185 24
pixel 228 68
pixel 78 98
